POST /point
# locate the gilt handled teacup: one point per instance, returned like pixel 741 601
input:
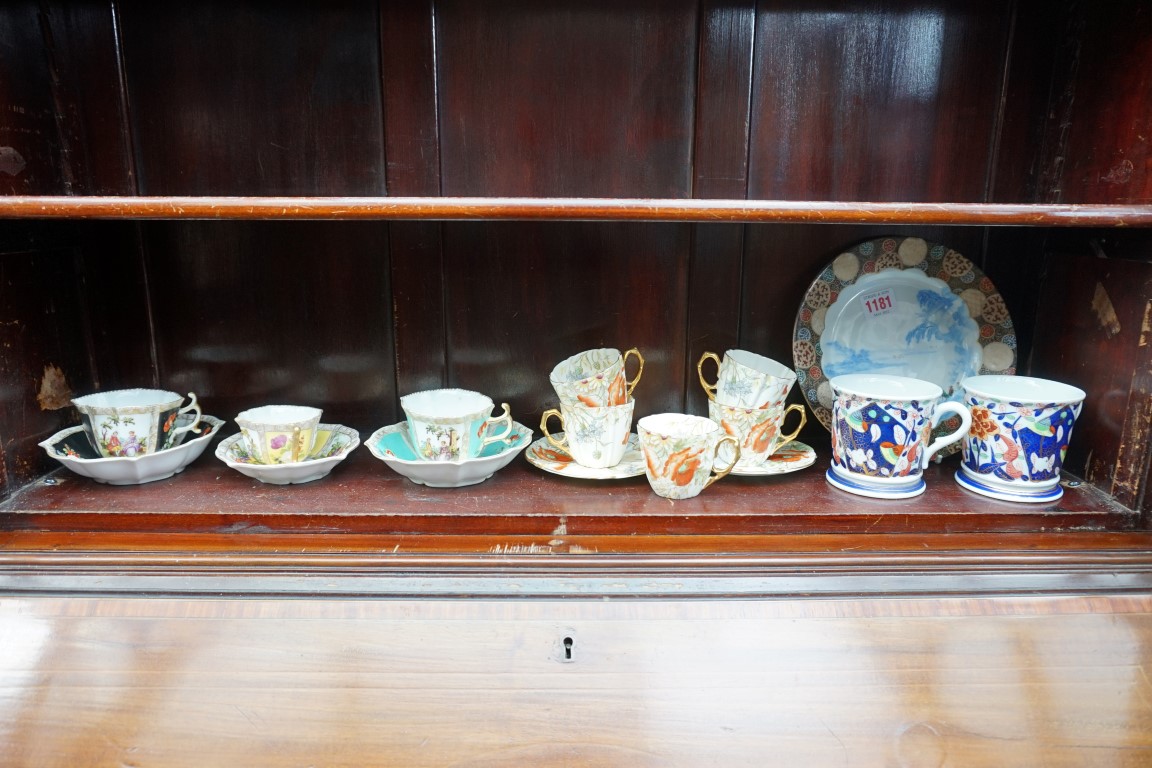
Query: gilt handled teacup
pixel 279 434
pixel 882 433
pixel 596 377
pixel 746 379
pixel 1021 426
pixel 756 429
pixel 134 422
pixel 680 452
pixel 594 437
pixel 453 424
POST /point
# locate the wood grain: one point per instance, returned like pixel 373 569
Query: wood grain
pixel 964 682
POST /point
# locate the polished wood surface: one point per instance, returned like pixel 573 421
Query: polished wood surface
pixel 1013 681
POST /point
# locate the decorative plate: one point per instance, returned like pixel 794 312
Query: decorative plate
pixel 333 444
pixel 71 448
pixel 903 306
pixel 793 457
pixel 393 446
pixel 549 458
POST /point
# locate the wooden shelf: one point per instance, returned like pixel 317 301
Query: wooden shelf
pixel 574 209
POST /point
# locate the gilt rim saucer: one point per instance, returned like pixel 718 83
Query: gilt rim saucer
pixel 544 455
pixel 792 457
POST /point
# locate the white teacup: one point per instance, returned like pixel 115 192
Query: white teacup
pixel 680 452
pixel 596 378
pixel 757 429
pixel 134 422
pixel 594 437
pixel 279 434
pixel 1021 426
pixel 746 379
pixel 882 433
pixel 452 424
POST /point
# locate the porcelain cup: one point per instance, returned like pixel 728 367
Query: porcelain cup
pixel 453 424
pixel 1020 430
pixel 680 452
pixel 134 422
pixel 279 434
pixel 593 437
pixel 756 429
pixel 596 378
pixel 745 379
pixel 882 433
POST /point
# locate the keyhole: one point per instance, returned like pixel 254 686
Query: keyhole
pixel 568 649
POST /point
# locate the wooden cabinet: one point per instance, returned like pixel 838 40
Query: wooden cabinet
pixel 337 204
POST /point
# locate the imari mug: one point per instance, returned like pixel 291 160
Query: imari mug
pixel 279 434
pixel 746 379
pixel 1020 430
pixel 134 422
pixel 680 452
pixel 596 378
pixel 882 433
pixel 594 437
pixel 453 424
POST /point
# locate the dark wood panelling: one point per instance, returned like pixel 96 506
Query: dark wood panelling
pixel 30 162
pixel 256 313
pixel 1092 331
pixel 1108 155
pixel 521 297
pixel 874 100
pixel 552 98
pixel 274 98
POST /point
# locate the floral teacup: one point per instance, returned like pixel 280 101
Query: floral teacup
pixel 757 429
pixel 596 378
pixel 680 452
pixel 279 434
pixel 594 437
pixel 746 379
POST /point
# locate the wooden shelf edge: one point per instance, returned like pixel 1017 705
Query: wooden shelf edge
pixel 573 209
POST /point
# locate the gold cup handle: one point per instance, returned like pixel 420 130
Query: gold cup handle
pixel 561 444
pixel 716 454
pixel 785 439
pixel 639 371
pixel 709 389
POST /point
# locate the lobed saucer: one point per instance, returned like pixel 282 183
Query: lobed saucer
pixel 905 492
pixel 393 446
pixel 333 444
pixel 792 457
pixel 558 461
pixel 968 483
pixel 71 448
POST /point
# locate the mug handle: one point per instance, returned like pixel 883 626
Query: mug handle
pixel 716 455
pixel 937 417
pixel 561 444
pixel 506 418
pixel 709 389
pixel 785 439
pixel 639 371
pixel 192 406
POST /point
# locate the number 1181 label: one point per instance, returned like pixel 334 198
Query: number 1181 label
pixel 877 302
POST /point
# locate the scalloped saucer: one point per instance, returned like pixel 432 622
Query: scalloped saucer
pixel 393 446
pixel 334 442
pixel 792 457
pixel 71 448
pixel 549 458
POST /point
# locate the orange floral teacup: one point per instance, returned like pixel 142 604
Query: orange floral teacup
pixel 680 452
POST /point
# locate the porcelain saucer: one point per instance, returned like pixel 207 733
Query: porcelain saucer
pixel 905 492
pixel 71 448
pixel 393 446
pixel 549 458
pixel 792 457
pixel 1055 493
pixel 333 444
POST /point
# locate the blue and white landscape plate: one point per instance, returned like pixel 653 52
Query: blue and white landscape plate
pixel 901 306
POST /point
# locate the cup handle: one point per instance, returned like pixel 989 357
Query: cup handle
pixel 639 371
pixel 709 389
pixel 785 439
pixel 716 454
pixel 506 418
pixel 937 417
pixel 192 406
pixel 561 444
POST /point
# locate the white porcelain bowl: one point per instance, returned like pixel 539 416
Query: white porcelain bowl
pixel 333 444
pixel 393 446
pixel 72 448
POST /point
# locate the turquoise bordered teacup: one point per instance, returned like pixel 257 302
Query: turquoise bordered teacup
pixel 452 424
